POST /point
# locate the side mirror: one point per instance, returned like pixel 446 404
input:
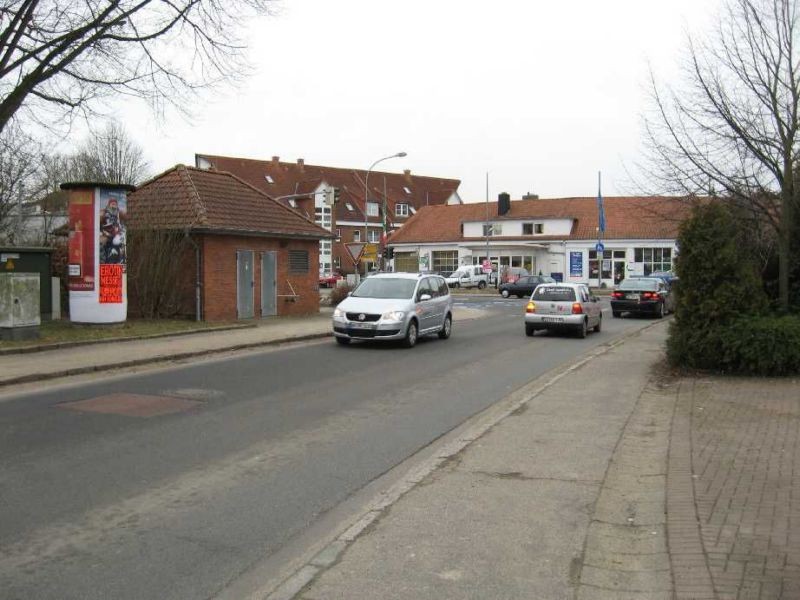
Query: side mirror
pixel 424 297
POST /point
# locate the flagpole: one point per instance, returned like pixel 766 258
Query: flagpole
pixel 599 232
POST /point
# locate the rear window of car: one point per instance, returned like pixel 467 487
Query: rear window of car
pixel 639 284
pixel 554 294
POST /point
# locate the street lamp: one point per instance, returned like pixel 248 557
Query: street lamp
pixel 366 197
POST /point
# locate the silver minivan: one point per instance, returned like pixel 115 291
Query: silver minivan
pixel 395 306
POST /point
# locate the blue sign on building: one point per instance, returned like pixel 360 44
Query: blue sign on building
pixel 599 247
pixel 576 264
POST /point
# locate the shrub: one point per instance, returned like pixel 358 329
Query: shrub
pixel 765 345
pixel 339 293
pixel 718 284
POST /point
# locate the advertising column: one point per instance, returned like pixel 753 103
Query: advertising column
pixel 97 278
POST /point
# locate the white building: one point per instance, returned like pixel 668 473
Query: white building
pixel 557 237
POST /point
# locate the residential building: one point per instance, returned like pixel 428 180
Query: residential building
pixel 252 256
pixel 358 215
pixel 557 237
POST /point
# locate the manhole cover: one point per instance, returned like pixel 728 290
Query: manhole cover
pixel 132 405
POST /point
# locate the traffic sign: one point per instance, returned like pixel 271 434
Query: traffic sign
pixel 356 251
pixel 370 252
pixel 599 247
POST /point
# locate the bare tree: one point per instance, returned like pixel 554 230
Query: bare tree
pixel 110 157
pixel 731 127
pixel 18 170
pixel 59 58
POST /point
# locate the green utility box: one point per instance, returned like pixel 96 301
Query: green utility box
pixel 31 260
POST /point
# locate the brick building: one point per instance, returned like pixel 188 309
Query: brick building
pixel 253 257
pixel 300 186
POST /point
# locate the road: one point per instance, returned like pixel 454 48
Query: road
pixel 262 447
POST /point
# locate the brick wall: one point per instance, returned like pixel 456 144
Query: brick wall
pixel 219 276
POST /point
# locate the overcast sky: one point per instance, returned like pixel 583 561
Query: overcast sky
pixel 541 95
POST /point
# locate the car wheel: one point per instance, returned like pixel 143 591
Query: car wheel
pixel 343 341
pixel 583 330
pixel 660 313
pixel 505 294
pixel 617 314
pixel 447 328
pixel 599 324
pixel 411 335
pixel 529 330
pixel 481 285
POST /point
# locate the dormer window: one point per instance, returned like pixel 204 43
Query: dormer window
pixel 401 210
pixel 532 228
pixel 372 209
pixel 269 178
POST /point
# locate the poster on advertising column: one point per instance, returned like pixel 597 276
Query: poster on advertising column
pixel 80 268
pixel 111 244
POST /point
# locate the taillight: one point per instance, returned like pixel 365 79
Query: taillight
pixel 577 309
pixel 650 295
pixel 618 294
pixel 531 308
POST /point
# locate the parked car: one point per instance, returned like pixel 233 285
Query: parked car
pixel 395 306
pixel 642 295
pixel 563 306
pixel 467 277
pixel 668 276
pixel 329 279
pixel 523 286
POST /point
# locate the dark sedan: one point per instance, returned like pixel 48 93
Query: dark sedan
pixel 524 286
pixel 642 295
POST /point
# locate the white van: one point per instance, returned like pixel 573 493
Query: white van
pixel 468 276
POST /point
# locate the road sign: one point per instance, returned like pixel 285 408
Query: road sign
pixel 356 251
pixel 599 247
pixel 486 266
pixel 370 252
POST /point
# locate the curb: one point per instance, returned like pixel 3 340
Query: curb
pixel 62 345
pixel 330 554
pixel 156 359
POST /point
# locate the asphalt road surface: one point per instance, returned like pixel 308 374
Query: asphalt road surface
pixel 258 447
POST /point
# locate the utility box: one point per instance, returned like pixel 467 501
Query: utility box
pixel 19 306
pixel 31 260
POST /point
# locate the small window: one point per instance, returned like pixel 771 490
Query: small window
pixel 349 207
pixel 401 210
pixel 374 235
pixel 292 202
pixel 357 235
pixel 372 209
pixel 338 233
pixel 269 178
pixel 527 229
pixel 298 261
pixel 538 228
pixel 406 190
pixel 337 262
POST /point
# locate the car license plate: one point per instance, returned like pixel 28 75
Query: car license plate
pixel 553 319
pixel 361 325
pixel 633 296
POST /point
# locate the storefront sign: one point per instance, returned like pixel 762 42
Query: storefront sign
pixel 576 264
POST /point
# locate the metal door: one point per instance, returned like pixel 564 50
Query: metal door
pixel 269 284
pixel 244 284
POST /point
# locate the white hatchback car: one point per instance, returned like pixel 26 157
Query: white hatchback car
pixel 395 306
pixel 563 306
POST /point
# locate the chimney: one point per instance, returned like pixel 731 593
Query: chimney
pixel 407 175
pixel 530 196
pixel 301 164
pixel 503 204
pixel 276 160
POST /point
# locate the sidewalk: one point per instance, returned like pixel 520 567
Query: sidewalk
pixel 26 366
pixel 606 481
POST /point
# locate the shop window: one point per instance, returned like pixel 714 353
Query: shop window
pixel 653 259
pixel 445 261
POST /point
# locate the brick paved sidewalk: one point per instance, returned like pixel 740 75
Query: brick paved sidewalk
pixel 744 441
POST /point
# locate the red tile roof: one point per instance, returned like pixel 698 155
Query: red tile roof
pixel 186 197
pixel 627 217
pixel 295 178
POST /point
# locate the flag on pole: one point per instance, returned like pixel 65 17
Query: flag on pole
pixel 601 213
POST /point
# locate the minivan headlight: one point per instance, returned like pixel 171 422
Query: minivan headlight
pixel 393 315
pixel 338 313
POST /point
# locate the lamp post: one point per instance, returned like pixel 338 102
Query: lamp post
pixel 366 197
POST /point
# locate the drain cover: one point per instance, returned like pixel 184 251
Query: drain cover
pixel 132 405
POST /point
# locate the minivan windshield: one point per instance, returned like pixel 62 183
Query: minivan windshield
pixel 639 284
pixel 385 287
